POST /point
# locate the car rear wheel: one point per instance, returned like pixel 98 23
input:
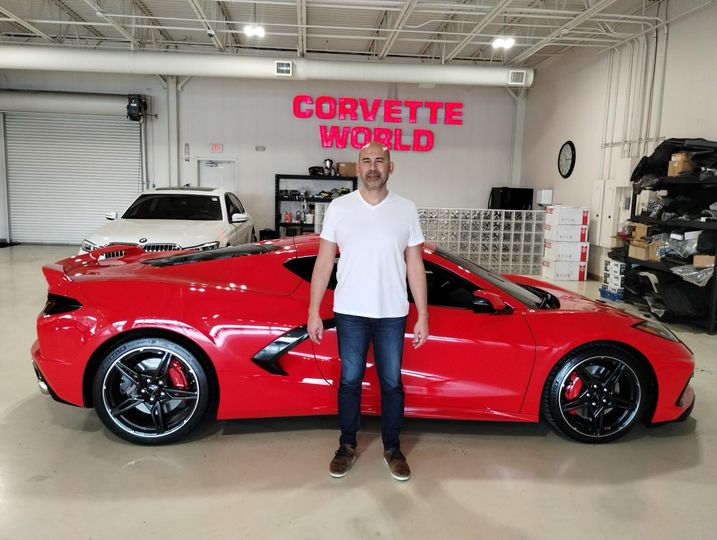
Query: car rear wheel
pixel 596 394
pixel 151 391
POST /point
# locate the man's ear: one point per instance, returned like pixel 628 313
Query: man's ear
pixel 390 167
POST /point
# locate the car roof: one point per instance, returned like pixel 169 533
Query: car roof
pixel 184 190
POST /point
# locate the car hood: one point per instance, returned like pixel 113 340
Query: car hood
pixel 157 231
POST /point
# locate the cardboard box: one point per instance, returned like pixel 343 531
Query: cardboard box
pixel 565 251
pixel 346 168
pixel 616 241
pixel 567 215
pixel 565 270
pixel 566 233
pixel 703 261
pixel 641 230
pixel 680 162
pixel 644 251
pixel 614 267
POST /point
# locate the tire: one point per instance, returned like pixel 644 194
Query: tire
pixel 151 391
pixel 596 394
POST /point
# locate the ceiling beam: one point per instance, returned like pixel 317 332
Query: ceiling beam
pixel 151 19
pixel 301 27
pixel 403 16
pixel 477 29
pixel 230 23
pixel 121 29
pixel 211 32
pixel 22 22
pixel 74 16
pixel 563 30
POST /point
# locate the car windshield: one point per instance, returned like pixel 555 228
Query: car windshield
pixel 518 292
pixel 177 206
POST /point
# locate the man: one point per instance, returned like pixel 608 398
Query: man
pixel 379 237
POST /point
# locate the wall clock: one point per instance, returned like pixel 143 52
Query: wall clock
pixel 566 159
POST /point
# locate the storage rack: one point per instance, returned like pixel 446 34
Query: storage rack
pixel 298 182
pixel 504 241
pixel 689 185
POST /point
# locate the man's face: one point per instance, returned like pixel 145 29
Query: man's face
pixel 374 167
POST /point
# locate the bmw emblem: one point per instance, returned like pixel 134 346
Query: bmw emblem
pixel 142 240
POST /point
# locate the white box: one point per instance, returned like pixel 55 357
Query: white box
pixel 566 233
pixel 567 215
pixel 613 281
pixel 565 270
pixel 614 267
pixel 566 251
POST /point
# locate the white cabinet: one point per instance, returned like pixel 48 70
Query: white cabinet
pixel 604 212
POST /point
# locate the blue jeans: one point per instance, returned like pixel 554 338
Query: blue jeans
pixel 354 335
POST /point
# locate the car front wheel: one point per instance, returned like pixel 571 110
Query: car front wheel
pixel 596 394
pixel 151 391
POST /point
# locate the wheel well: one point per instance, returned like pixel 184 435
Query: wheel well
pixel 179 339
pixel 650 407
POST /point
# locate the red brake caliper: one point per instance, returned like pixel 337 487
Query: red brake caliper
pixel 176 374
pixel 572 389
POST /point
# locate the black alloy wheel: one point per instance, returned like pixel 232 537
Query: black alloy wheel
pixel 596 394
pixel 151 391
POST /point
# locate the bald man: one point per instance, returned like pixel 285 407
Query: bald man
pixel 379 237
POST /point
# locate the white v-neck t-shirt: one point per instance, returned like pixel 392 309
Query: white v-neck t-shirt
pixel 372 240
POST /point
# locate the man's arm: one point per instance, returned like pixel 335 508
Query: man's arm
pixel 416 274
pixel 319 281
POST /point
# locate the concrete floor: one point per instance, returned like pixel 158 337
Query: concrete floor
pixel 63 476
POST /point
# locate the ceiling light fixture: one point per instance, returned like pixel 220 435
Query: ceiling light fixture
pixel 503 43
pixel 253 29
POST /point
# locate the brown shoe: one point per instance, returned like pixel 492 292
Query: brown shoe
pixel 397 464
pixel 343 460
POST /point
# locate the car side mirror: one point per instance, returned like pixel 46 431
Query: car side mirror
pixel 488 302
pixel 238 218
pixel 111 216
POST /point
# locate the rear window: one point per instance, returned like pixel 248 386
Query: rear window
pixel 177 206
pixel 213 255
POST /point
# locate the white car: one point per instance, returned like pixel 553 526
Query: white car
pixel 166 219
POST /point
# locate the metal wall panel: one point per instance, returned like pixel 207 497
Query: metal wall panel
pixel 66 171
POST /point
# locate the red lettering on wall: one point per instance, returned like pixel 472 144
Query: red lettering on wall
pixel 412 108
pixel 391 110
pixel 454 113
pixel 347 107
pixel 397 143
pixel 369 115
pixel 360 137
pixel 325 107
pixel 333 138
pixel 298 100
pixel 422 140
pixel 384 136
pixel 433 107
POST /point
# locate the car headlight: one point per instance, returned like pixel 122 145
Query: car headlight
pixel 656 329
pixel 88 246
pixel 205 247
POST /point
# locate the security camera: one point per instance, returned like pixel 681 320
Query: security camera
pixel 210 32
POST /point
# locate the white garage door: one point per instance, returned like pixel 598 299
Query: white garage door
pixel 65 172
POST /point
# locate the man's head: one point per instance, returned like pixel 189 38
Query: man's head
pixel 374 166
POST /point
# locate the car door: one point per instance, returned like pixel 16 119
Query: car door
pixel 473 363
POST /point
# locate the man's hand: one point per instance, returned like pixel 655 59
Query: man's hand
pixel 315 328
pixel 420 332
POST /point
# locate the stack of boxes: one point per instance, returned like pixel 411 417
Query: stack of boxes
pixel 613 281
pixel 565 255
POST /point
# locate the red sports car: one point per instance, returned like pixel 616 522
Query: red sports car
pixel 155 344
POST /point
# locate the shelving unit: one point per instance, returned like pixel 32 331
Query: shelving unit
pixel 310 185
pixel 683 185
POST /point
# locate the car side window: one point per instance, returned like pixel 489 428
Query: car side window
pixel 304 267
pixel 237 203
pixel 231 207
pixel 446 289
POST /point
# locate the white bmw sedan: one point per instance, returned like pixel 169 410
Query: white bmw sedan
pixel 166 219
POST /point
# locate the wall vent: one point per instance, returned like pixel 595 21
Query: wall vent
pixel 517 78
pixel 283 68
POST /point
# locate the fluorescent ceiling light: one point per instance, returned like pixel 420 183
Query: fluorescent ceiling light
pixel 254 30
pixel 503 43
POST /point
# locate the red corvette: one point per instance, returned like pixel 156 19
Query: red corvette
pixel 155 344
